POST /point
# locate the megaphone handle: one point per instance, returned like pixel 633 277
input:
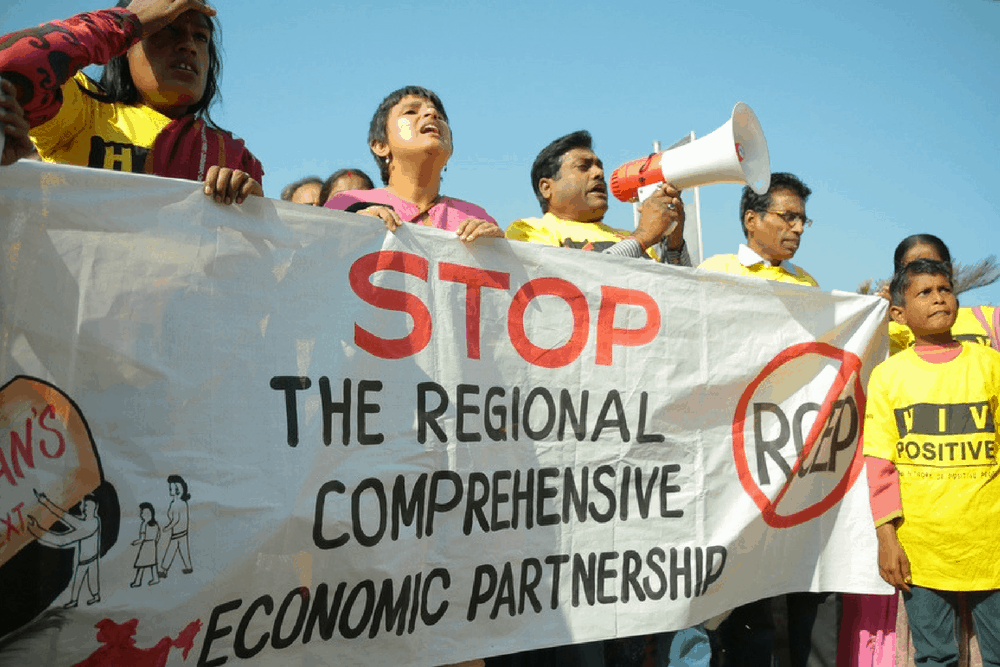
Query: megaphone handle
pixel 645 165
pixel 644 192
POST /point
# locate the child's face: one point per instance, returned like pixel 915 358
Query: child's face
pixel 170 67
pixel 416 125
pixel 931 306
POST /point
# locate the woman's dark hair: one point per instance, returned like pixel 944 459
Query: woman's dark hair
pixel 377 130
pixel 152 512
pixel 177 479
pixel 324 192
pixel 117 85
pixel 911 242
pixel 289 190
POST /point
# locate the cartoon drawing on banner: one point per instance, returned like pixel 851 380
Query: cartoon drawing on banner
pixel 84 535
pixel 149 537
pixel 62 516
pixel 119 647
pixel 177 527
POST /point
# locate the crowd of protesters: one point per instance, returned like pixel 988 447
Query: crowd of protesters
pixel 150 113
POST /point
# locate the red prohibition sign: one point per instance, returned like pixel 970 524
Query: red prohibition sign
pixel 850 367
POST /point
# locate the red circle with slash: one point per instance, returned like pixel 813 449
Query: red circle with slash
pixel 850 367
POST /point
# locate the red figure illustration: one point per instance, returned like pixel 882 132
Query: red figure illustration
pixel 119 647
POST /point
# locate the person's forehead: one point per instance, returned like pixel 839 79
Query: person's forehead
pixel 576 155
pixel 922 281
pixel 348 178
pixel 786 200
pixel 921 251
pixel 194 19
pixel 412 101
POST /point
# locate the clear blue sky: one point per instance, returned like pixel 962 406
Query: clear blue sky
pixel 888 112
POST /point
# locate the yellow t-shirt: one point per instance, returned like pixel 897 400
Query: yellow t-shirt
pixel 967 327
pixel 731 264
pixel 90 133
pixel 550 230
pixel 937 424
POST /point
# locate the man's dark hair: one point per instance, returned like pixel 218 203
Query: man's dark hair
pixel 324 192
pixel 117 85
pixel 909 242
pixel 902 278
pixel 549 160
pixel 751 201
pixel 377 130
pixel 289 190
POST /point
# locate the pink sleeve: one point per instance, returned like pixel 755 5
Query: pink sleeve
pixel 40 60
pixel 472 211
pixel 883 490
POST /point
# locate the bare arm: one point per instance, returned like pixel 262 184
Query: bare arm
pixel 893 565
pixel 60 513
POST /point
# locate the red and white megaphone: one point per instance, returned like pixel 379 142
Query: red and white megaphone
pixel 734 153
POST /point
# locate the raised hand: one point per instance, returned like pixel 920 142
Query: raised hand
pixel 155 15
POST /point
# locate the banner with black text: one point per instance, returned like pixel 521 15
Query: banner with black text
pixel 280 435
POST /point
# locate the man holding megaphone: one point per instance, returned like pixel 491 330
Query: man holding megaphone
pixel 568 180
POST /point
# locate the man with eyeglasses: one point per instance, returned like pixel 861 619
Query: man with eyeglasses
pixel 773 224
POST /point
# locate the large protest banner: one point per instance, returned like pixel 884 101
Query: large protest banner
pixel 280 435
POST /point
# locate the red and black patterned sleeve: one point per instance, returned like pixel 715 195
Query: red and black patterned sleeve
pixel 40 60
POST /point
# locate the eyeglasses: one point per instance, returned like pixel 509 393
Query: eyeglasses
pixel 790 217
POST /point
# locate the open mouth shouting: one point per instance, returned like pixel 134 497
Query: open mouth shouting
pixel 187 66
pixel 600 188
pixel 430 128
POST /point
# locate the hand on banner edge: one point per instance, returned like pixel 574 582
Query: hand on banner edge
pixel 471 229
pixel 17 142
pixel 229 186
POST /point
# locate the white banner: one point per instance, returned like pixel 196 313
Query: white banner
pixel 280 435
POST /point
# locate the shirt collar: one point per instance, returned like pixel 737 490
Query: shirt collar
pixel 748 257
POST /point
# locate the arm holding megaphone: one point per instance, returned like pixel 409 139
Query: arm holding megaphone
pixel 661 217
pixel 14 140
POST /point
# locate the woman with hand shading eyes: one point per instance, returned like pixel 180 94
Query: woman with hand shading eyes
pixel 149 111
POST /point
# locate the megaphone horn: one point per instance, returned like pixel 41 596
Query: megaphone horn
pixel 734 153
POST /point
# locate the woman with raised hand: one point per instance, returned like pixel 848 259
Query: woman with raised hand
pixel 149 111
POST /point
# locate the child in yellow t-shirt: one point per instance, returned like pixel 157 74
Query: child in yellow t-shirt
pixel 931 423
